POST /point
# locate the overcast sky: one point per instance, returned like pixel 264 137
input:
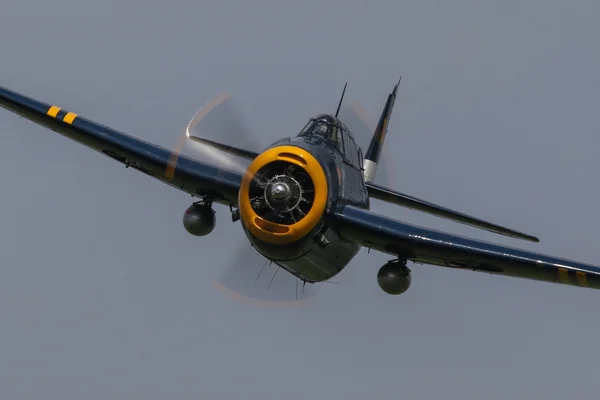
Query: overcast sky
pixel 103 294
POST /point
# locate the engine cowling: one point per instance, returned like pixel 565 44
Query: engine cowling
pixel 199 219
pixel 394 277
pixel 282 196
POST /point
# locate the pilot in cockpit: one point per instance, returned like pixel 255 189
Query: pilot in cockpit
pixel 318 126
pixel 321 128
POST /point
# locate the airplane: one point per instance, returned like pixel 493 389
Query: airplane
pixel 304 201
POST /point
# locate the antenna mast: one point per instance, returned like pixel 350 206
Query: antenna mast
pixel 341 99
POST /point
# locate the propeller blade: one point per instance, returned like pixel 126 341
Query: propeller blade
pixel 246 277
pixel 252 278
pixel 218 121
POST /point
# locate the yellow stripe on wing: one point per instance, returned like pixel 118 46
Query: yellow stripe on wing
pixel 53 111
pixel 563 273
pixel 70 117
pixel 582 278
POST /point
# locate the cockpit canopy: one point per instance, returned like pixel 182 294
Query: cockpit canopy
pixel 337 132
pixel 325 125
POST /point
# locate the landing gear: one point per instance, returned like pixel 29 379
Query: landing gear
pixel 235 214
pixel 394 277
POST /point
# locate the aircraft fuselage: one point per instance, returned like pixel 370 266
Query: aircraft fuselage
pixel 302 240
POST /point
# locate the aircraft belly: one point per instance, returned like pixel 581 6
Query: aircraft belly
pixel 316 258
pixel 323 263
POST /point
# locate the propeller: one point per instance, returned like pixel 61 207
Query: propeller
pixel 250 277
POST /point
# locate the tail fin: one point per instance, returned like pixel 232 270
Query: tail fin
pixel 376 145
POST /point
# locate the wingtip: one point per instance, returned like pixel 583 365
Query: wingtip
pixel 529 238
pixel 396 87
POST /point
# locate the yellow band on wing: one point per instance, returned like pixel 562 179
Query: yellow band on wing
pixel 70 117
pixel 582 278
pixel 53 111
pixel 563 274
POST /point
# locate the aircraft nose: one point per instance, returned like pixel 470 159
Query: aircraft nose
pixel 283 195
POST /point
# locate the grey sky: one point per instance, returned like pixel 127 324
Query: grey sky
pixel 104 295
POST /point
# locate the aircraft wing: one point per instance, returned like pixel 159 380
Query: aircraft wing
pixel 427 246
pixel 186 174
pixel 401 199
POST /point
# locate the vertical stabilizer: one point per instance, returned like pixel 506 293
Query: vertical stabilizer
pixel 376 145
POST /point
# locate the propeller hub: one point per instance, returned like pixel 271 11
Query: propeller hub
pixel 280 191
pixel 283 193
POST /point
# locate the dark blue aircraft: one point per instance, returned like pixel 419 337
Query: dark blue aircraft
pixel 303 201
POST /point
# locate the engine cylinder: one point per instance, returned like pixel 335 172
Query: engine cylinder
pixel 394 278
pixel 199 219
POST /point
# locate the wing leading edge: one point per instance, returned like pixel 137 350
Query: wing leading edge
pixel 426 246
pixel 401 199
pixel 191 176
